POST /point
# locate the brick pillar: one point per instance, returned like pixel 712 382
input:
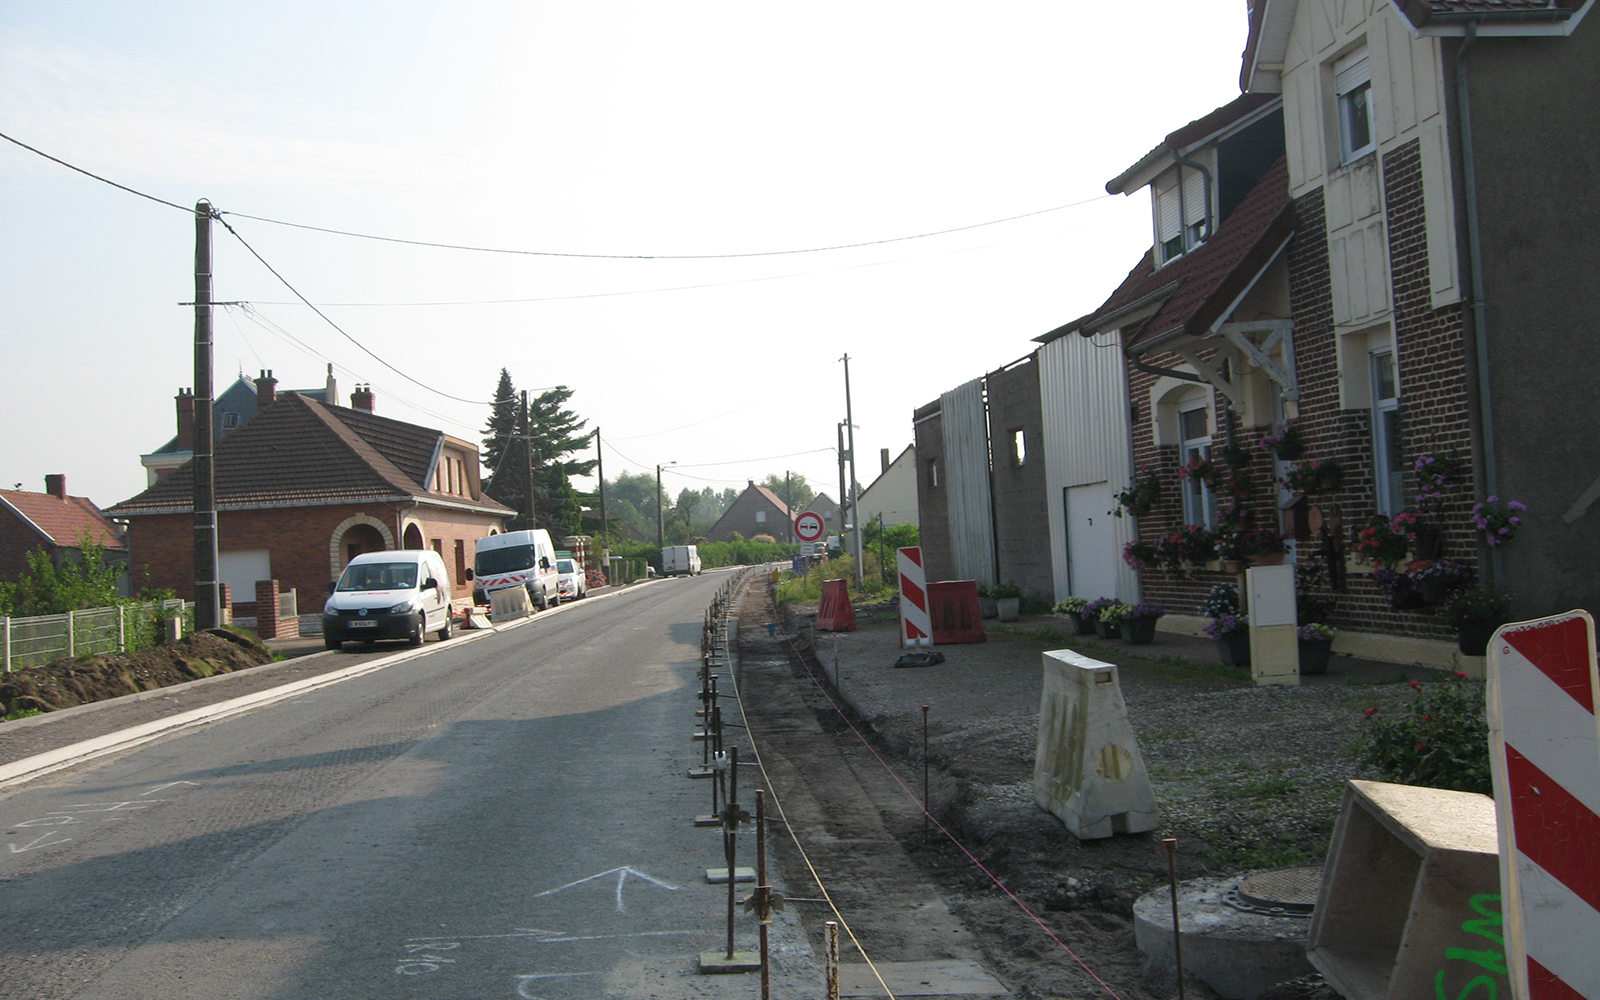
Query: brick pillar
pixel 267 609
pixel 225 600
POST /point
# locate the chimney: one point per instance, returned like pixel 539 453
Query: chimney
pixel 883 459
pixel 186 420
pixel 330 395
pixel 266 390
pixel 361 399
pixel 56 486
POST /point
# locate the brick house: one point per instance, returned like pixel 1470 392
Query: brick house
pixel 757 511
pixel 57 523
pixel 303 487
pixel 893 495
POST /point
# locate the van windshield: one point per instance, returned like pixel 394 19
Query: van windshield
pixel 504 560
pixel 379 576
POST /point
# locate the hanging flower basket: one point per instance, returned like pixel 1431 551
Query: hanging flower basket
pixel 1499 520
pixel 1284 442
pixel 1140 497
pixel 1320 475
pixel 1196 469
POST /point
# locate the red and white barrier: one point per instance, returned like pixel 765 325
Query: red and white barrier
pixel 916 625
pixel 1544 690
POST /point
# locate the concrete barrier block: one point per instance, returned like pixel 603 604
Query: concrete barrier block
pixel 1088 771
pixel 509 604
pixel 953 607
pixel 1410 894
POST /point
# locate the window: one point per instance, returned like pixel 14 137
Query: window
pixel 761 517
pixel 230 420
pixel 1019 448
pixel 1198 501
pixel 1388 473
pixel 1180 202
pixel 1352 88
pixel 933 473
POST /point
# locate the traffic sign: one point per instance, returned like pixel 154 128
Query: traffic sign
pixel 809 526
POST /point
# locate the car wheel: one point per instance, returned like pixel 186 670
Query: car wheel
pixel 555 599
pixel 444 633
pixel 422 623
pixel 331 643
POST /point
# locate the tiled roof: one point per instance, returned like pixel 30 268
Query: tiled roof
pixel 1421 12
pixel 299 452
pixel 772 498
pixel 1194 291
pixel 62 522
pixel 1182 139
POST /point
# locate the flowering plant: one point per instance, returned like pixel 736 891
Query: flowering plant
pixel 1440 740
pixel 1193 544
pixel 1226 624
pixel 1234 544
pixel 1433 471
pixel 1142 610
pixel 1092 610
pixel 1315 632
pixel 1382 542
pixel 1451 573
pixel 1140 497
pixel 1141 555
pixel 1235 483
pixel 1316 476
pixel 1284 442
pixel 1070 605
pixel 1223 599
pixel 1498 519
pixel 1114 613
pixel 1265 542
pixel 1196 468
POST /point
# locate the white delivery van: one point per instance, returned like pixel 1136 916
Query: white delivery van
pixel 400 594
pixel 680 559
pixel 517 559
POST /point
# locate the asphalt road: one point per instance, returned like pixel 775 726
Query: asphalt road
pixel 505 815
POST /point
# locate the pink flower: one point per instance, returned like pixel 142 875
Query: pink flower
pixel 1417 685
pixel 1371 711
pixel 1462 674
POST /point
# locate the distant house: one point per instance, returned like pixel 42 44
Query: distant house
pixel 758 511
pixel 893 495
pixel 304 487
pixel 56 523
pixel 231 408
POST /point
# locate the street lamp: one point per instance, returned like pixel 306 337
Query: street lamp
pixel 661 519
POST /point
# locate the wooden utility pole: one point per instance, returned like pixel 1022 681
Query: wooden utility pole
pixel 855 515
pixel 600 468
pixel 207 608
pixel 527 451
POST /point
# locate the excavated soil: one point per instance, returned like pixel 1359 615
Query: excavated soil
pixel 80 680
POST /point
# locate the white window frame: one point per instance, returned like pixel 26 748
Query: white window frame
pixel 1388 481
pixel 1019 448
pixel 1167 198
pixel 1353 106
pixel 1199 503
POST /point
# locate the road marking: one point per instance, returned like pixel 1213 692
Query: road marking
pixel 622 876
pixel 34 845
pixel 523 982
pixel 170 784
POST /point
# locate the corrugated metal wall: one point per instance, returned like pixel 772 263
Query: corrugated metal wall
pixel 966 447
pixel 1083 386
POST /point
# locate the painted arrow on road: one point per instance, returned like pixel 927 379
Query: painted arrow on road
pixel 622 877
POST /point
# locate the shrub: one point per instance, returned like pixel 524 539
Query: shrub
pixel 1440 740
pixel 1478 606
pixel 1226 624
pixel 1142 610
pixel 1070 605
pixel 1091 611
pixel 1222 600
pixel 1114 613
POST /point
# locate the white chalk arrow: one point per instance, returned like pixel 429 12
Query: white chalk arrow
pixel 622 877
pixel 39 842
pixel 170 784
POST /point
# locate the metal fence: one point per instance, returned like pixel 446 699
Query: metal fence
pixel 35 641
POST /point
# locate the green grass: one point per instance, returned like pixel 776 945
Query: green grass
pixel 22 713
pixel 1276 786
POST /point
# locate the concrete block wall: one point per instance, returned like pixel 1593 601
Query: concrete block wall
pixel 1021 514
pixel 933 501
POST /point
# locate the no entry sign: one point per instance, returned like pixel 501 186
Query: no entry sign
pixel 1543 693
pixel 808 527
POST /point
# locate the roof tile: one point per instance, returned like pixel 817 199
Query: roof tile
pixel 63 522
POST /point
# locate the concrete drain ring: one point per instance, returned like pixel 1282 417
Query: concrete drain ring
pixel 1287 892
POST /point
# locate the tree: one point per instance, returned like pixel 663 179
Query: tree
pixel 539 432
pixel 82 582
pixel 688 500
pixel 502 422
pixel 792 489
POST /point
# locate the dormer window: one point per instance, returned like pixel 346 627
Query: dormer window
pixel 1352 87
pixel 1180 203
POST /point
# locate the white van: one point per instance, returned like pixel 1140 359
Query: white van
pixel 517 559
pixel 680 560
pixel 401 594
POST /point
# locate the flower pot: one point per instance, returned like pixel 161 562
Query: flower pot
pixel 1234 566
pixel 1267 558
pixel 1473 639
pixel 1433 589
pixel 1233 649
pixel 1108 630
pixel 1409 599
pixel 988 607
pixel 1139 631
pixel 1288 451
pixel 1008 608
pixel 1314 655
pixel 1080 624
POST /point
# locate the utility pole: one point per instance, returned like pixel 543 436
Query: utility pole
pixel 855 516
pixel 788 501
pixel 844 498
pixel 661 516
pixel 600 467
pixel 527 451
pixel 207 607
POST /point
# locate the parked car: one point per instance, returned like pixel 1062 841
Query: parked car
pixel 574 581
pixel 388 595
pixel 517 559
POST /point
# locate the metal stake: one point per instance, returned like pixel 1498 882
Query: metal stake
pixel 1171 844
pixel 731 824
pixel 833 960
pixel 763 910
pixel 925 772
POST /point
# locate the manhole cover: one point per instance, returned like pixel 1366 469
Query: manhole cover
pixel 1288 892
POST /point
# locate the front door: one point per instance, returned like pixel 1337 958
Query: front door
pixel 1091 543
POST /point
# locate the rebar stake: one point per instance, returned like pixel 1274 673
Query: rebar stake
pixel 729 827
pixel 1171 844
pixel 925 772
pixel 763 896
pixel 833 960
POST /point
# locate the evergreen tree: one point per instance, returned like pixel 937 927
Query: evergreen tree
pixel 502 422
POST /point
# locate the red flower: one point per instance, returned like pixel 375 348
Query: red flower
pixel 1370 711
pixel 1417 685
pixel 1461 674
pixel 1420 746
pixel 1425 718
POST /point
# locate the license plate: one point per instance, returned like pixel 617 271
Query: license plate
pixel 363 624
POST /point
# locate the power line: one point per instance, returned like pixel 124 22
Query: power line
pixel 121 187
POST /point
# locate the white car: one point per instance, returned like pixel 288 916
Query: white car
pixel 574 581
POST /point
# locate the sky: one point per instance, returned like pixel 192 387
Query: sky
pixel 641 186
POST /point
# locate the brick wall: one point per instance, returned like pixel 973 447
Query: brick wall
pixel 933 502
pixel 1021 515
pixel 741 517
pixel 16 541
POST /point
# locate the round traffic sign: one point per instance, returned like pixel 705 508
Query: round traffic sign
pixel 808 527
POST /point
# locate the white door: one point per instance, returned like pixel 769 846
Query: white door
pixel 241 569
pixel 1091 543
